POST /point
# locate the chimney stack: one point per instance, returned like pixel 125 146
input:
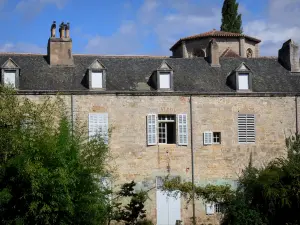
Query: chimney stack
pixel 288 56
pixel 213 53
pixel 53 29
pixel 60 49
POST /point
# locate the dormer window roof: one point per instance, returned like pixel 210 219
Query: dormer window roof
pixel 241 78
pixel 97 75
pixel 10 72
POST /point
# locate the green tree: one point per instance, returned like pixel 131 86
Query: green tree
pixel 231 19
pixel 132 213
pixel 49 173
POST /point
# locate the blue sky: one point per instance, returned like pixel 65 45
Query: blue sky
pixel 139 27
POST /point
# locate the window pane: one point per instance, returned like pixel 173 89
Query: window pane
pixel 164 80
pixel 243 82
pixel 10 78
pixel 96 79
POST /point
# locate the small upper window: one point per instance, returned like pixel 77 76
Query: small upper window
pixel 97 75
pixel 9 78
pixel 165 80
pixel 243 81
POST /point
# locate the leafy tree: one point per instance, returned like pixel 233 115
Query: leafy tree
pixel 231 19
pixel 49 174
pixel 133 213
pixel 266 196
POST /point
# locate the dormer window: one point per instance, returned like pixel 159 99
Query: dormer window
pixel 10 74
pixel 97 75
pixel 243 81
pixel 240 79
pixel 162 78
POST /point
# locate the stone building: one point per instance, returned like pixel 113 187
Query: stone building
pixel 209 98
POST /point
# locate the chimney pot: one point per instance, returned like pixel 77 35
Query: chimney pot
pixel 67 30
pixel 53 29
pixel 62 30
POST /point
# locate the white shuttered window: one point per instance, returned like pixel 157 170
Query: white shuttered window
pixel 151 129
pixel 208 138
pixel 246 128
pixel 182 129
pixel 98 124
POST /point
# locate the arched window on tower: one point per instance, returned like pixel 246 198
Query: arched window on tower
pixel 199 53
pixel 249 53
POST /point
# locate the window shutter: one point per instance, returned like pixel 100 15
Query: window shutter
pixel 207 138
pixel 151 129
pixel 182 129
pixel 246 128
pixel 98 124
pixel 210 208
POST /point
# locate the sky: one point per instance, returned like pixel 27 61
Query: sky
pixel 139 27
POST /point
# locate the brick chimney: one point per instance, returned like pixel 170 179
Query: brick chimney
pixel 213 54
pixel 60 49
pixel 288 56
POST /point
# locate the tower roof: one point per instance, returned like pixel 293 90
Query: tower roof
pixel 214 33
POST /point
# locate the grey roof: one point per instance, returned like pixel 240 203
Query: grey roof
pixel 130 73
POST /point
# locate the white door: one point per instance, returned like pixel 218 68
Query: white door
pixel 168 207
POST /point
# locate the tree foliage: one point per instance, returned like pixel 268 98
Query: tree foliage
pixel 49 173
pixel 133 212
pixel 231 19
pixel 265 196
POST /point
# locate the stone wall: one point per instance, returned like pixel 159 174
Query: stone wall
pixel 216 164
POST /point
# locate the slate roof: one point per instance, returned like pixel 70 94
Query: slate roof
pixel 129 73
pixel 214 33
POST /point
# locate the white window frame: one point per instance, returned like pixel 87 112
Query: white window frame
pixel 243 83
pixel 165 121
pixel 180 129
pixel 246 129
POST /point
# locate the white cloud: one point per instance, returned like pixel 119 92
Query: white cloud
pixel 124 41
pixel 281 23
pixel 30 8
pixel 21 47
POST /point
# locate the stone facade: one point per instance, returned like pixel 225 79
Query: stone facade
pixel 275 119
